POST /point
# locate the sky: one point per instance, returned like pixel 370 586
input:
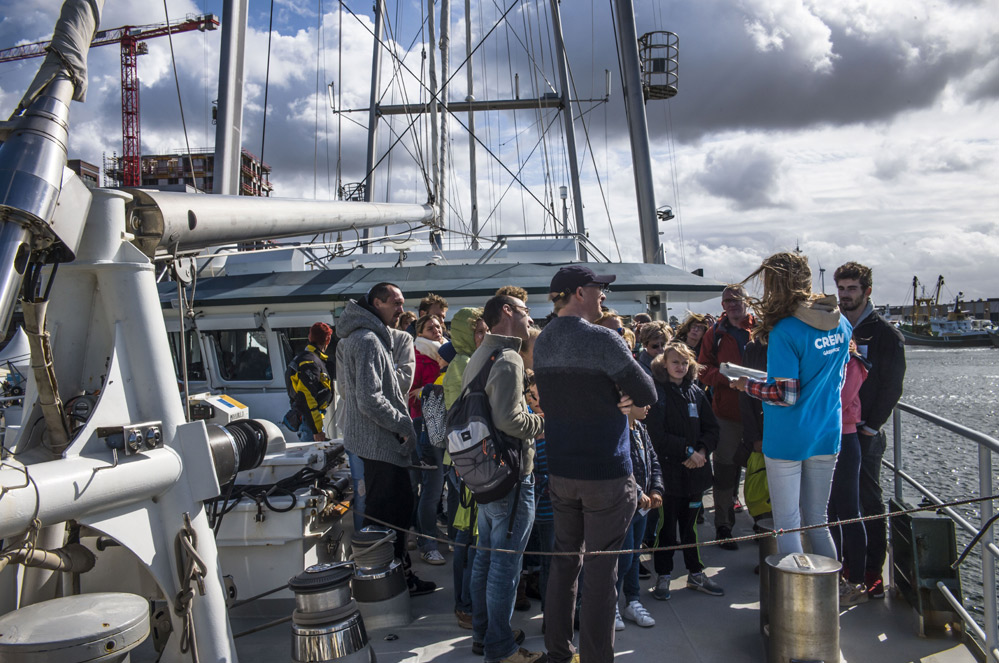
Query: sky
pixel 851 129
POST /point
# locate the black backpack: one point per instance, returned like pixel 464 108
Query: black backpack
pixel 486 459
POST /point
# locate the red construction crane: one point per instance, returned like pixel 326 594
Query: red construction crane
pixel 130 37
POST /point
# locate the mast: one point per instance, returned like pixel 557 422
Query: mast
pixel 432 72
pixel 445 62
pixel 229 127
pixel 376 67
pixel 570 129
pixel 472 175
pixel 634 103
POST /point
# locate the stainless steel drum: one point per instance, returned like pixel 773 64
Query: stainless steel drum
pixel 88 627
pixel 804 608
pixel 767 547
pixel 326 624
pixel 379 583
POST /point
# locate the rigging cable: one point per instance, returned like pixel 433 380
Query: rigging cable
pixel 267 83
pixel 315 140
pixel 176 80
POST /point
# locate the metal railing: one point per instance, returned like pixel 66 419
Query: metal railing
pixel 986 445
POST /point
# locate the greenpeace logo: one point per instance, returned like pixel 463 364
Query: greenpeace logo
pixel 830 341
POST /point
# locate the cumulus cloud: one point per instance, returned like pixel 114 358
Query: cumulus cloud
pixel 750 176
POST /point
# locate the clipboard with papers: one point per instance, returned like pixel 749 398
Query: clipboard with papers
pixel 734 372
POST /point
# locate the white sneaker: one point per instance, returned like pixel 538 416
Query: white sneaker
pixel 636 612
pixel 434 557
pixel 618 622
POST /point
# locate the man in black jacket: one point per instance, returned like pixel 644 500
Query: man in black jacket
pixel 884 347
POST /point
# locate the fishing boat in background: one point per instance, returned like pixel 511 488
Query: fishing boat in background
pixel 955 329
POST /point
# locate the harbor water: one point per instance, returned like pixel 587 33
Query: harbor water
pixel 960 384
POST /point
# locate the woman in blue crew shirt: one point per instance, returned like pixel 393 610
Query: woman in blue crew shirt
pixel 808 347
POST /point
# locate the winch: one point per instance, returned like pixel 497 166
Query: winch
pixel 326 624
pixel 379 579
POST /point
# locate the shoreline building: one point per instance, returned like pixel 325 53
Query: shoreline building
pixel 172 171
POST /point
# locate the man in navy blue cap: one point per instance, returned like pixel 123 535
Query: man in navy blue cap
pixel 581 370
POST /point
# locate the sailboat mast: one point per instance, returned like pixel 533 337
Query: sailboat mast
pixel 445 64
pixel 376 68
pixel 472 174
pixel 634 103
pixel 435 165
pixel 229 125
pixel 569 120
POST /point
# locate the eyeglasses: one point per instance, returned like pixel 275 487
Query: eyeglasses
pixel 525 309
pixel 601 286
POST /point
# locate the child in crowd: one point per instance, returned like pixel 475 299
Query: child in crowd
pixel 649 483
pixel 691 435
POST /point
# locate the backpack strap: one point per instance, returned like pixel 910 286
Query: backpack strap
pixel 478 383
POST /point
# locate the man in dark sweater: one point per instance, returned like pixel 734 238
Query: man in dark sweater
pixel 884 347
pixel 585 374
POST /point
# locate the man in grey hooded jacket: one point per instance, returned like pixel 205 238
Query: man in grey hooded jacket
pixel 376 423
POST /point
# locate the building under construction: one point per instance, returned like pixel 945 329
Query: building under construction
pixel 169 171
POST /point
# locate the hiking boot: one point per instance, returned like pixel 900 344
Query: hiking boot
pixel 851 594
pixel 661 591
pixel 618 622
pixel 419 587
pixel 524 656
pixel 518 637
pixel 636 612
pixel 464 619
pixel 875 585
pixel 434 557
pixel 643 572
pixel 702 583
pixel 724 534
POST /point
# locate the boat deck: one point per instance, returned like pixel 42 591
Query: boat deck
pixel 691 627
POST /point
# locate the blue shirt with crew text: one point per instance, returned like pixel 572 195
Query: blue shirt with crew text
pixel 817 359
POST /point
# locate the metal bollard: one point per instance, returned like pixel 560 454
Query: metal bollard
pixel 767 547
pixel 804 608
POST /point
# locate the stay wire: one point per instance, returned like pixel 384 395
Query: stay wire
pixel 180 102
pixel 267 82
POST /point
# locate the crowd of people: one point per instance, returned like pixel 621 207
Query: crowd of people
pixel 620 429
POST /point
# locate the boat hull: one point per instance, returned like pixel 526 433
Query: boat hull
pixel 950 341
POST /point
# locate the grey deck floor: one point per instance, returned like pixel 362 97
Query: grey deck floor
pixel 690 627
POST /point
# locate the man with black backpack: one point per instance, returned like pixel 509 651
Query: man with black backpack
pixel 505 522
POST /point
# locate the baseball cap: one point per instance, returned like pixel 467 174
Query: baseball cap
pixel 570 277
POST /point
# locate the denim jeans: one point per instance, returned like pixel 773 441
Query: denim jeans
pixel 628 563
pixel 431 484
pixel 357 479
pixel 495 575
pixel 543 536
pixel 799 495
pixel 461 570
pixel 872 503
pixel 844 503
